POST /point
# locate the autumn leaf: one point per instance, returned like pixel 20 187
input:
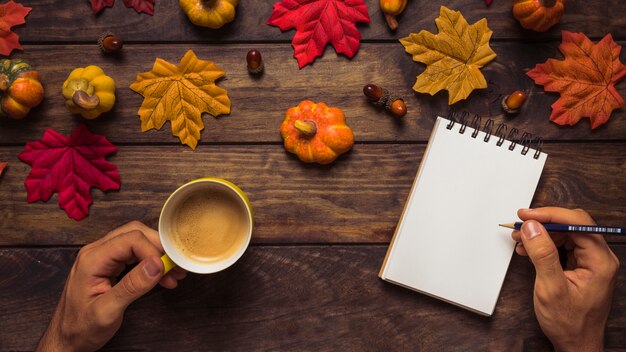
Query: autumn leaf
pixel 69 166
pixel 11 14
pixel 146 6
pixel 181 94
pixel 98 5
pixel 140 6
pixel 585 79
pixel 319 22
pixel 2 167
pixel 453 57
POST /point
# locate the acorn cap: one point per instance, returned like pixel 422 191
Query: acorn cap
pixel 101 42
pixel 258 70
pixel 506 107
pixel 380 103
pixel 390 101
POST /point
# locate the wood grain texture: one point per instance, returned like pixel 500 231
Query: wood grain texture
pixel 259 105
pixel 290 299
pixel 357 199
pixel 169 24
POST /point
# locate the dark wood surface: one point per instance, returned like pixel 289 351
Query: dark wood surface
pixel 309 281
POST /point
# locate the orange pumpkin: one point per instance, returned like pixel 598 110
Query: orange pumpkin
pixel 316 133
pixel 538 15
pixel 20 88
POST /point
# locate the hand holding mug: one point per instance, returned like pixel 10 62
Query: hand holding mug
pixel 92 304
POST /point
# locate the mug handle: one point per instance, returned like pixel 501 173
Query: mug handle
pixel 168 264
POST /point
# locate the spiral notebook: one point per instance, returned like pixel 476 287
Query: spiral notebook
pixel 448 244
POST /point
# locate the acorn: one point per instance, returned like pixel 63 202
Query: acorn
pixel 109 43
pixel 255 62
pixel 376 95
pixel 396 106
pixel 513 102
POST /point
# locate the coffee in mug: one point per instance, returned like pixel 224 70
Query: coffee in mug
pixel 206 225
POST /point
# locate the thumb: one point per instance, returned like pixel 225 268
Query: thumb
pixel 136 283
pixel 544 255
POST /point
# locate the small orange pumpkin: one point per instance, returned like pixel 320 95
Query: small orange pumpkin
pixel 316 133
pixel 20 88
pixel 538 15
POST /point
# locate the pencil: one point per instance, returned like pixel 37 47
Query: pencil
pixel 607 230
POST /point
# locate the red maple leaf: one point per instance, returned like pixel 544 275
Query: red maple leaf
pixel 318 22
pixel 585 79
pixel 69 166
pixel 2 167
pixel 140 6
pixel 98 5
pixel 146 6
pixel 11 14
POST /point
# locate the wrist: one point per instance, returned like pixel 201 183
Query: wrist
pixel 593 345
pixel 54 340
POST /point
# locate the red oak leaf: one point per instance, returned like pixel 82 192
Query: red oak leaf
pixel 585 79
pixel 11 14
pixel 146 6
pixel 98 5
pixel 2 167
pixel 140 6
pixel 318 22
pixel 69 166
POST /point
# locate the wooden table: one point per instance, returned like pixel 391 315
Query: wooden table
pixel 309 280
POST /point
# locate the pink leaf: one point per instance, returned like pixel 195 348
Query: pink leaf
pixel 69 166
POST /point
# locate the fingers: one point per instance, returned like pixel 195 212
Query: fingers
pixel 595 249
pixel 171 279
pixel 150 233
pixel 107 258
pixel 133 285
pixel 564 216
pixel 544 256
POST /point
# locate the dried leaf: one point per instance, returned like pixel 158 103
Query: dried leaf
pixel 2 167
pixel 140 6
pixel 585 79
pixel 453 57
pixel 181 94
pixel 319 22
pixel 69 166
pixel 11 14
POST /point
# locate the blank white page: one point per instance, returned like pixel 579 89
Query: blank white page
pixel 448 243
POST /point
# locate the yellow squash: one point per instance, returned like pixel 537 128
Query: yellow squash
pixel 89 92
pixel 209 13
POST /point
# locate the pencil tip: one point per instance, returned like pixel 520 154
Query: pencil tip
pixel 511 226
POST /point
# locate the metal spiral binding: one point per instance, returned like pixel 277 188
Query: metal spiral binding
pixel 526 141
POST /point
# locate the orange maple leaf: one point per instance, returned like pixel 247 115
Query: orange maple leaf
pixel 585 79
pixel 453 57
pixel 181 94
pixel 11 14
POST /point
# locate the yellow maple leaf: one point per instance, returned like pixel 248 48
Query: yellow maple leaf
pixel 453 57
pixel 181 94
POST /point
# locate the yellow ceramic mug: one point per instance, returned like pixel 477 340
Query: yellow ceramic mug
pixel 197 215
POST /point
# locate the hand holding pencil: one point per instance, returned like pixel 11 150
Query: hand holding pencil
pixel 571 305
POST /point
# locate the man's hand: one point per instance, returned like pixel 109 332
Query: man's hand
pixel 571 305
pixel 92 304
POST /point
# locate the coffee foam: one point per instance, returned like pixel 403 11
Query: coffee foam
pixel 210 226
